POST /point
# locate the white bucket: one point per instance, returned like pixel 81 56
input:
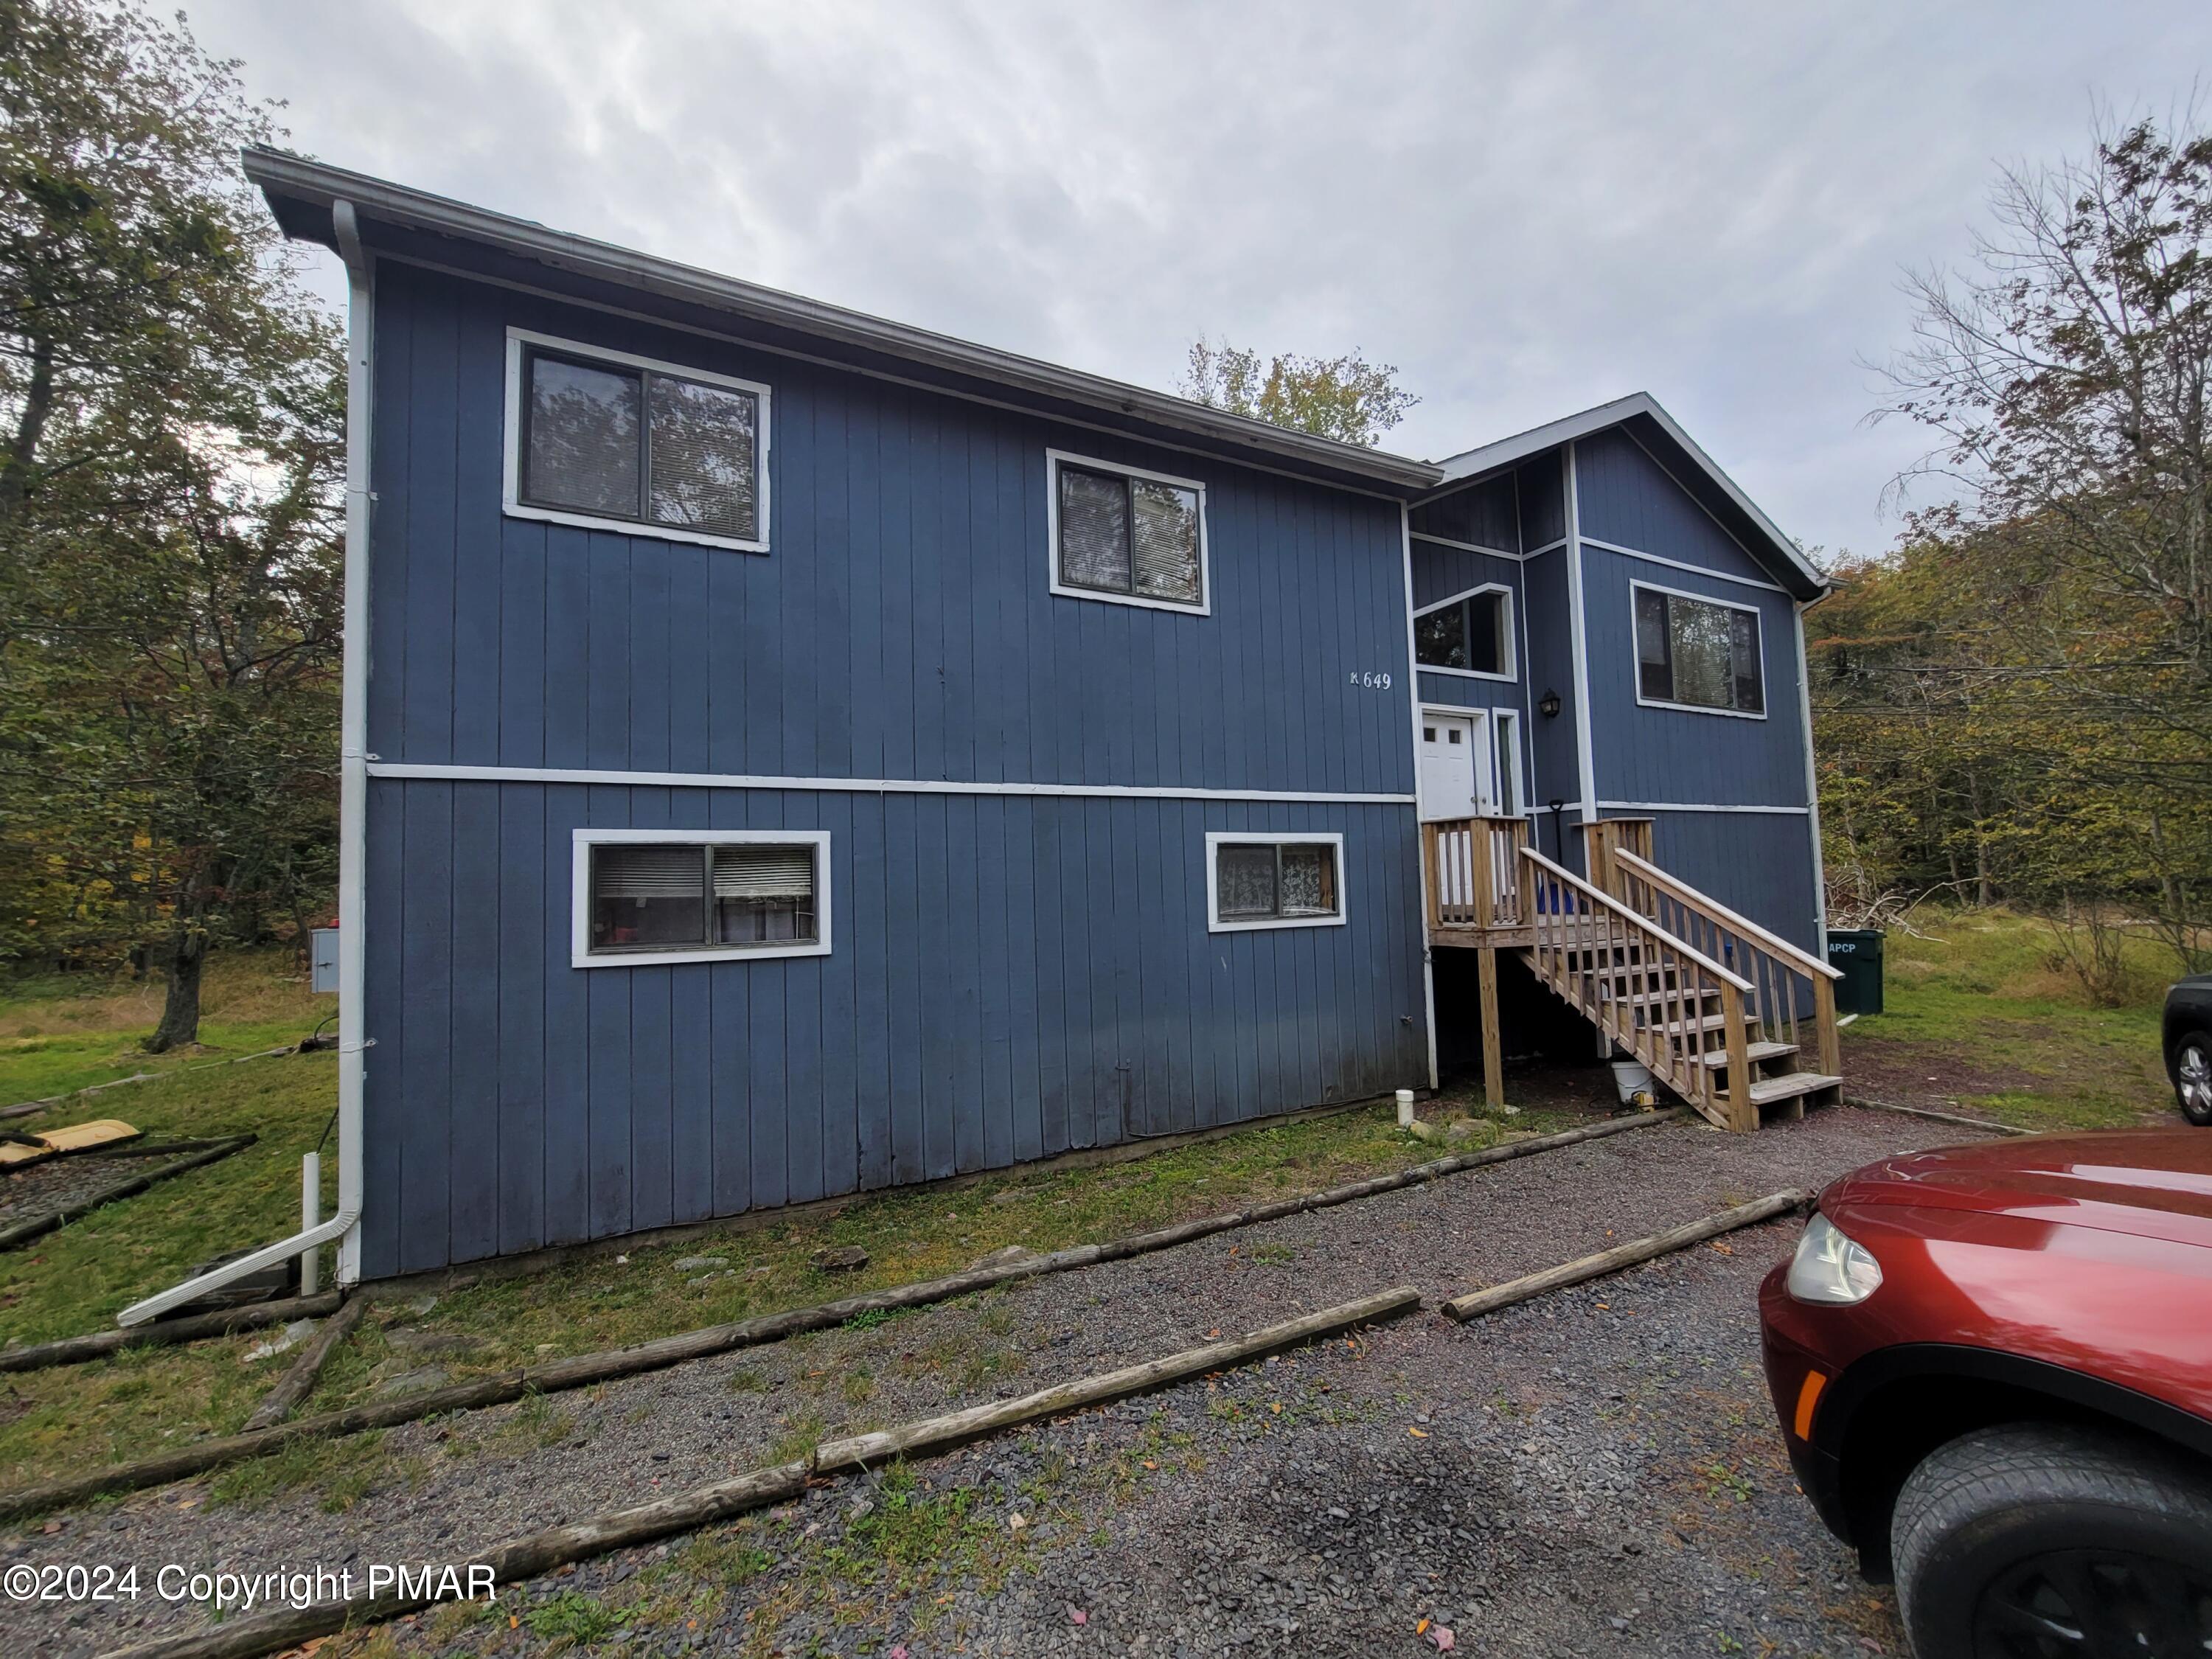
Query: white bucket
pixel 1631 1078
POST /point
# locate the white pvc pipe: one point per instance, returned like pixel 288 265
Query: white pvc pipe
pixel 353 823
pixel 311 1217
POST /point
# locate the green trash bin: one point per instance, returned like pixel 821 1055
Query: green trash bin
pixel 1855 953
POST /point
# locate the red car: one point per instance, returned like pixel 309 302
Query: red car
pixel 1993 1366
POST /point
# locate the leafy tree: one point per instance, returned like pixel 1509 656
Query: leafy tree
pixel 1346 397
pixel 2018 704
pixel 170 411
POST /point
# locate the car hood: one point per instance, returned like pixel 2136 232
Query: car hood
pixel 2153 1183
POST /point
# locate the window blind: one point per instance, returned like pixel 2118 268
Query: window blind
pixel 763 872
pixel 646 873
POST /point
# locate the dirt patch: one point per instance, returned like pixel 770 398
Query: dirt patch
pixel 1936 1074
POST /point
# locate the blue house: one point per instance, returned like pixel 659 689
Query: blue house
pixel 790 753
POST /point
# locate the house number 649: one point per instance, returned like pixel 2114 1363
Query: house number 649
pixel 1370 680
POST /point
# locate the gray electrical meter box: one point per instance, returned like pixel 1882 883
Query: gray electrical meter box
pixel 325 969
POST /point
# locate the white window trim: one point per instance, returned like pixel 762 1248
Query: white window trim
pixel 580 954
pixel 1053 459
pixel 1636 660
pixel 1272 838
pixel 1508 624
pixel 514 506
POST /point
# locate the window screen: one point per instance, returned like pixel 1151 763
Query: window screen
pixel 1697 652
pixel 681 895
pixel 1471 633
pixel 1272 881
pixel 1138 537
pixel 619 443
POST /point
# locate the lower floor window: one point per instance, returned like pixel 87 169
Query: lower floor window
pixel 1275 881
pixel 661 898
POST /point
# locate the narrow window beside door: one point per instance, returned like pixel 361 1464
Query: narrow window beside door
pixel 649 897
pixel 1122 534
pixel 1274 881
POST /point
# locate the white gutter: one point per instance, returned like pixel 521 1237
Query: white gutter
pixel 353 823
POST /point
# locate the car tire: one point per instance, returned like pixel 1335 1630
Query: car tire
pixel 2192 1078
pixel 2002 1527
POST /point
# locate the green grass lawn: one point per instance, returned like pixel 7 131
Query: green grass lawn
pixel 1982 1014
pixel 59 1033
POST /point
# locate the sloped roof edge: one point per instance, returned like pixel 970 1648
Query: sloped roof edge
pixel 1490 457
pixel 280 174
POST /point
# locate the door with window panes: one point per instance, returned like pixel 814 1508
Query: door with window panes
pixel 1455 776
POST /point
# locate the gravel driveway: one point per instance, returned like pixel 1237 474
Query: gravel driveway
pixel 1595 1471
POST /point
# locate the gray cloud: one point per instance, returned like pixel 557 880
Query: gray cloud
pixel 1527 209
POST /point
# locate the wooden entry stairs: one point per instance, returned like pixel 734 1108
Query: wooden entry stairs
pixel 1727 1016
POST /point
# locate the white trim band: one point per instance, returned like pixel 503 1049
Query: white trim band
pixel 425 773
pixel 1684 564
pixel 1691 806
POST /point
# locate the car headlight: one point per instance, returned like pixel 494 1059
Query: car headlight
pixel 1832 1268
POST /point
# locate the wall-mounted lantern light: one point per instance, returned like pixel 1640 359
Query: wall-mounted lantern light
pixel 1548 705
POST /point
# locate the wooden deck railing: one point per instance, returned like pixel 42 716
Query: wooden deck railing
pixel 1475 871
pixel 1792 991
pixel 1652 995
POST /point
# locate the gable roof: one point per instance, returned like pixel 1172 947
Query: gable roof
pixel 300 193
pixel 1674 449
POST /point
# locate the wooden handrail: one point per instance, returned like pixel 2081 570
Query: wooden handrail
pixel 1804 961
pixel 1643 923
pixel 1647 991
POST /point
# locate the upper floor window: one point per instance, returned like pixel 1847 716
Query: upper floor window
pixel 1470 634
pixel 1124 534
pixel 1694 652
pixel 1267 880
pixel 602 438
pixel 669 895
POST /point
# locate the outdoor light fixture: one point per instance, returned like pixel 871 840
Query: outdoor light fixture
pixel 1548 705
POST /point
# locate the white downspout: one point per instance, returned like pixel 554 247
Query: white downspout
pixel 353 822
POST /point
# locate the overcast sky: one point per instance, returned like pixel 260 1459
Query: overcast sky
pixel 1528 210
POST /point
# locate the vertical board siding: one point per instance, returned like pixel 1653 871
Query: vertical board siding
pixel 516 1101
pixel 900 625
pixel 1654 754
pixel 1484 513
pixel 1624 496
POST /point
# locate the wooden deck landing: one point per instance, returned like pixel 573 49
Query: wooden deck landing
pixel 1725 1014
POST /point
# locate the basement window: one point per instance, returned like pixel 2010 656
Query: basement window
pixel 607 440
pixel 1470 634
pixel 1274 881
pixel 650 896
pixel 1126 535
pixel 1698 653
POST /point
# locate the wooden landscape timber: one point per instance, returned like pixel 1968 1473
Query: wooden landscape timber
pixel 539 1552
pixel 79 1350
pixel 584 1371
pixel 930 1435
pixel 525 1557
pixel 38 1226
pixel 1934 1116
pixel 1475 1303
pixel 299 1379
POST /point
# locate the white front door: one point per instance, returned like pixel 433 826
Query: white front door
pixel 1452 774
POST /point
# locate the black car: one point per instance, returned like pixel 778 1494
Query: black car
pixel 2189 1046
